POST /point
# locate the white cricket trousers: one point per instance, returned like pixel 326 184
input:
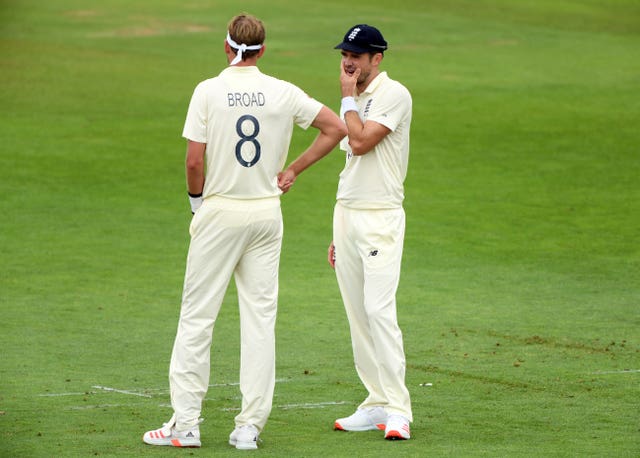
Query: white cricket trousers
pixel 368 249
pixel 229 237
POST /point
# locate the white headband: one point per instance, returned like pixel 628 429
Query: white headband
pixel 241 49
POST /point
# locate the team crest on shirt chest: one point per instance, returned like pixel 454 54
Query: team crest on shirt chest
pixel 365 113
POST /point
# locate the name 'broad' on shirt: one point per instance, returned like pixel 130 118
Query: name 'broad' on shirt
pixel 245 99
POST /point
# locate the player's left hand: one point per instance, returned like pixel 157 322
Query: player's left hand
pixel 286 180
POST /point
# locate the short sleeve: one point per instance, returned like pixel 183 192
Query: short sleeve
pixel 306 108
pixel 391 109
pixel 195 126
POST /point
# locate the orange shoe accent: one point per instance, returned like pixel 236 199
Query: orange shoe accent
pixel 381 426
pixel 177 443
pixel 397 435
pixel 337 427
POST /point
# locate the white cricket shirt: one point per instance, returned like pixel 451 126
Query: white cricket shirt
pixel 375 180
pixel 246 119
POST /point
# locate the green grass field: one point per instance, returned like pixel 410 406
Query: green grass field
pixel 520 294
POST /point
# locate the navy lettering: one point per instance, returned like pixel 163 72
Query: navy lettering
pixel 246 99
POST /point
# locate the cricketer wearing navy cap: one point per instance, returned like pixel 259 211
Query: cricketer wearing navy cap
pixel 363 38
pixel 368 230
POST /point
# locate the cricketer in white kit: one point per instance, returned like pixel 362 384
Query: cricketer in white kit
pixel 239 127
pixel 368 229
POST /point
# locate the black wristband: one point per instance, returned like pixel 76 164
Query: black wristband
pixel 194 195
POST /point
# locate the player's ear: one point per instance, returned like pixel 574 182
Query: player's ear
pixel 261 52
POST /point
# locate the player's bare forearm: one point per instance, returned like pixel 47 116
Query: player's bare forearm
pixel 194 167
pixel 332 130
pixel 363 137
pixel 321 146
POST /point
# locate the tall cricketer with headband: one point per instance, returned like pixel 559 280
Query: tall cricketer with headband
pixel 239 126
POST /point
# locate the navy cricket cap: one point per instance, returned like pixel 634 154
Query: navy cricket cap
pixel 363 38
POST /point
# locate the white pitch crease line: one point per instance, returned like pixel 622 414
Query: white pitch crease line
pixel 115 390
pixel 136 393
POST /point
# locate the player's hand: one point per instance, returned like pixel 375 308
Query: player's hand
pixel 286 180
pixel 348 80
pixel 332 255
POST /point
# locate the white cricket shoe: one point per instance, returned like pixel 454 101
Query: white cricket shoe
pixel 397 428
pixel 245 437
pixel 369 419
pixel 168 435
